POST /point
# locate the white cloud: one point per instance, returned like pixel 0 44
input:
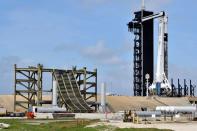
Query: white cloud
pixel 96 50
pixel 112 66
pixel 102 54
pixel 98 53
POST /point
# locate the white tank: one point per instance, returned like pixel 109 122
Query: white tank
pixel 54 93
pixel 171 109
pixel 185 108
pixel 188 109
pixel 148 113
pixel 103 96
pixel 37 109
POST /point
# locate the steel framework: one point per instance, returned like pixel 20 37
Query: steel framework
pixel 143 51
pixel 87 81
pixel 183 90
pixel 28 86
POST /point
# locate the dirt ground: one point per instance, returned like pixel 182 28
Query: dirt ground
pixel 192 126
pixel 117 103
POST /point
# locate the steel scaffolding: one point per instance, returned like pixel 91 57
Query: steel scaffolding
pixel 183 90
pixel 28 86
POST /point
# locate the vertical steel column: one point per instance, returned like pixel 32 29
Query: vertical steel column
pixel 15 87
pixel 29 75
pixel 39 83
pixel 84 82
pixel 185 88
pixel 95 70
pixel 172 85
pixel 181 92
pixel 34 87
pixel 179 89
pixel 192 89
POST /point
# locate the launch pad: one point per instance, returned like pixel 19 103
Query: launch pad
pixel 72 93
pixel 142 27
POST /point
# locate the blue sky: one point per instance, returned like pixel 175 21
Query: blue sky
pixel 91 33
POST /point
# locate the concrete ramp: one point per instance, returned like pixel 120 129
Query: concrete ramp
pixel 70 93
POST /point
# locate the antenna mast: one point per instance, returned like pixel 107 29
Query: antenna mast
pixel 143 5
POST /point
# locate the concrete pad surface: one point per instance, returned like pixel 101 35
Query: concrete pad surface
pixel 192 126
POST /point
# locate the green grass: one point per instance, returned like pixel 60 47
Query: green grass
pixel 22 125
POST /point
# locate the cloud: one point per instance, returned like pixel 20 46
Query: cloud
pixel 101 53
pixel 98 53
pixel 114 69
pixel 112 66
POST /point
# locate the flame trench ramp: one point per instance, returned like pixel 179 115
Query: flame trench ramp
pixel 69 92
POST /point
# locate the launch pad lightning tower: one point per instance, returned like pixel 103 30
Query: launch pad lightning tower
pixel 143 51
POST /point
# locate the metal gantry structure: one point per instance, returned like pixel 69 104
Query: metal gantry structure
pixel 142 27
pixel 28 86
pixel 183 90
pixel 87 81
pixel 143 51
pixel 161 83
